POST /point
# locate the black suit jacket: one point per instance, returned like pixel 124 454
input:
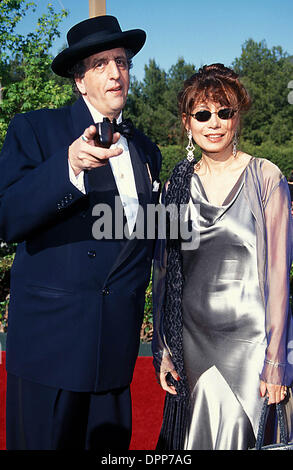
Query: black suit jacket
pixel 76 304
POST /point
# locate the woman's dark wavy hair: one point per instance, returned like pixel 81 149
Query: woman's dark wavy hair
pixel 219 84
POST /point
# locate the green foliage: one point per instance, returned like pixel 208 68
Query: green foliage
pixel 171 155
pixel 280 155
pixel 266 73
pixel 25 74
pixel 6 260
pixel 5 266
pixel 152 103
pixel 147 325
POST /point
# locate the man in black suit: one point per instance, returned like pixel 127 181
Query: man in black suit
pixel 77 294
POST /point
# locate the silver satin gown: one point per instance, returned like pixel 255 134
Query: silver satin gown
pixel 224 325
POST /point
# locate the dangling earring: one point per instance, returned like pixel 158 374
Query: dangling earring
pixel 190 147
pixel 235 142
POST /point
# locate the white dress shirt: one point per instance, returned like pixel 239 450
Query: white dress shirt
pixel 122 170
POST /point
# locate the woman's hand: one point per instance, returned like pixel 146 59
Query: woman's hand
pixel 164 381
pixel 276 393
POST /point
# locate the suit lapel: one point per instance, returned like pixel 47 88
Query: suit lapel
pixel 82 119
pixel 144 192
pixel 141 172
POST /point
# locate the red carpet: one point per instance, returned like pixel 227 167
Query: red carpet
pixel 147 405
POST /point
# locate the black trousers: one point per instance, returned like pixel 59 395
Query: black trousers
pixel 43 418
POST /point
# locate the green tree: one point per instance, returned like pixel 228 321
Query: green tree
pixel 27 80
pixel 176 76
pixel 154 84
pixel 152 103
pixel 266 73
pixel 144 99
pixel 137 109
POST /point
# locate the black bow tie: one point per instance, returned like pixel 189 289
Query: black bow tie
pixel 125 127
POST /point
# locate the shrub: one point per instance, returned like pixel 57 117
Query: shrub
pixel 5 266
pixel 281 155
pixel 146 332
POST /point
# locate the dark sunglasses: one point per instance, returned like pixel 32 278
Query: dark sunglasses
pixel 205 115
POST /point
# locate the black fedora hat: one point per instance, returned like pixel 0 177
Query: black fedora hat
pixel 96 35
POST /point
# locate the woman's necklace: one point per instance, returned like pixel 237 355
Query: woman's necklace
pixel 198 165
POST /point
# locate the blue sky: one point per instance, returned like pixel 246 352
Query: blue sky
pixel 202 32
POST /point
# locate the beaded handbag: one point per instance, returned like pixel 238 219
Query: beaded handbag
pixel 284 444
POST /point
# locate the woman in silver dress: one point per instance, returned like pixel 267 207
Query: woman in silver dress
pixel 222 322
